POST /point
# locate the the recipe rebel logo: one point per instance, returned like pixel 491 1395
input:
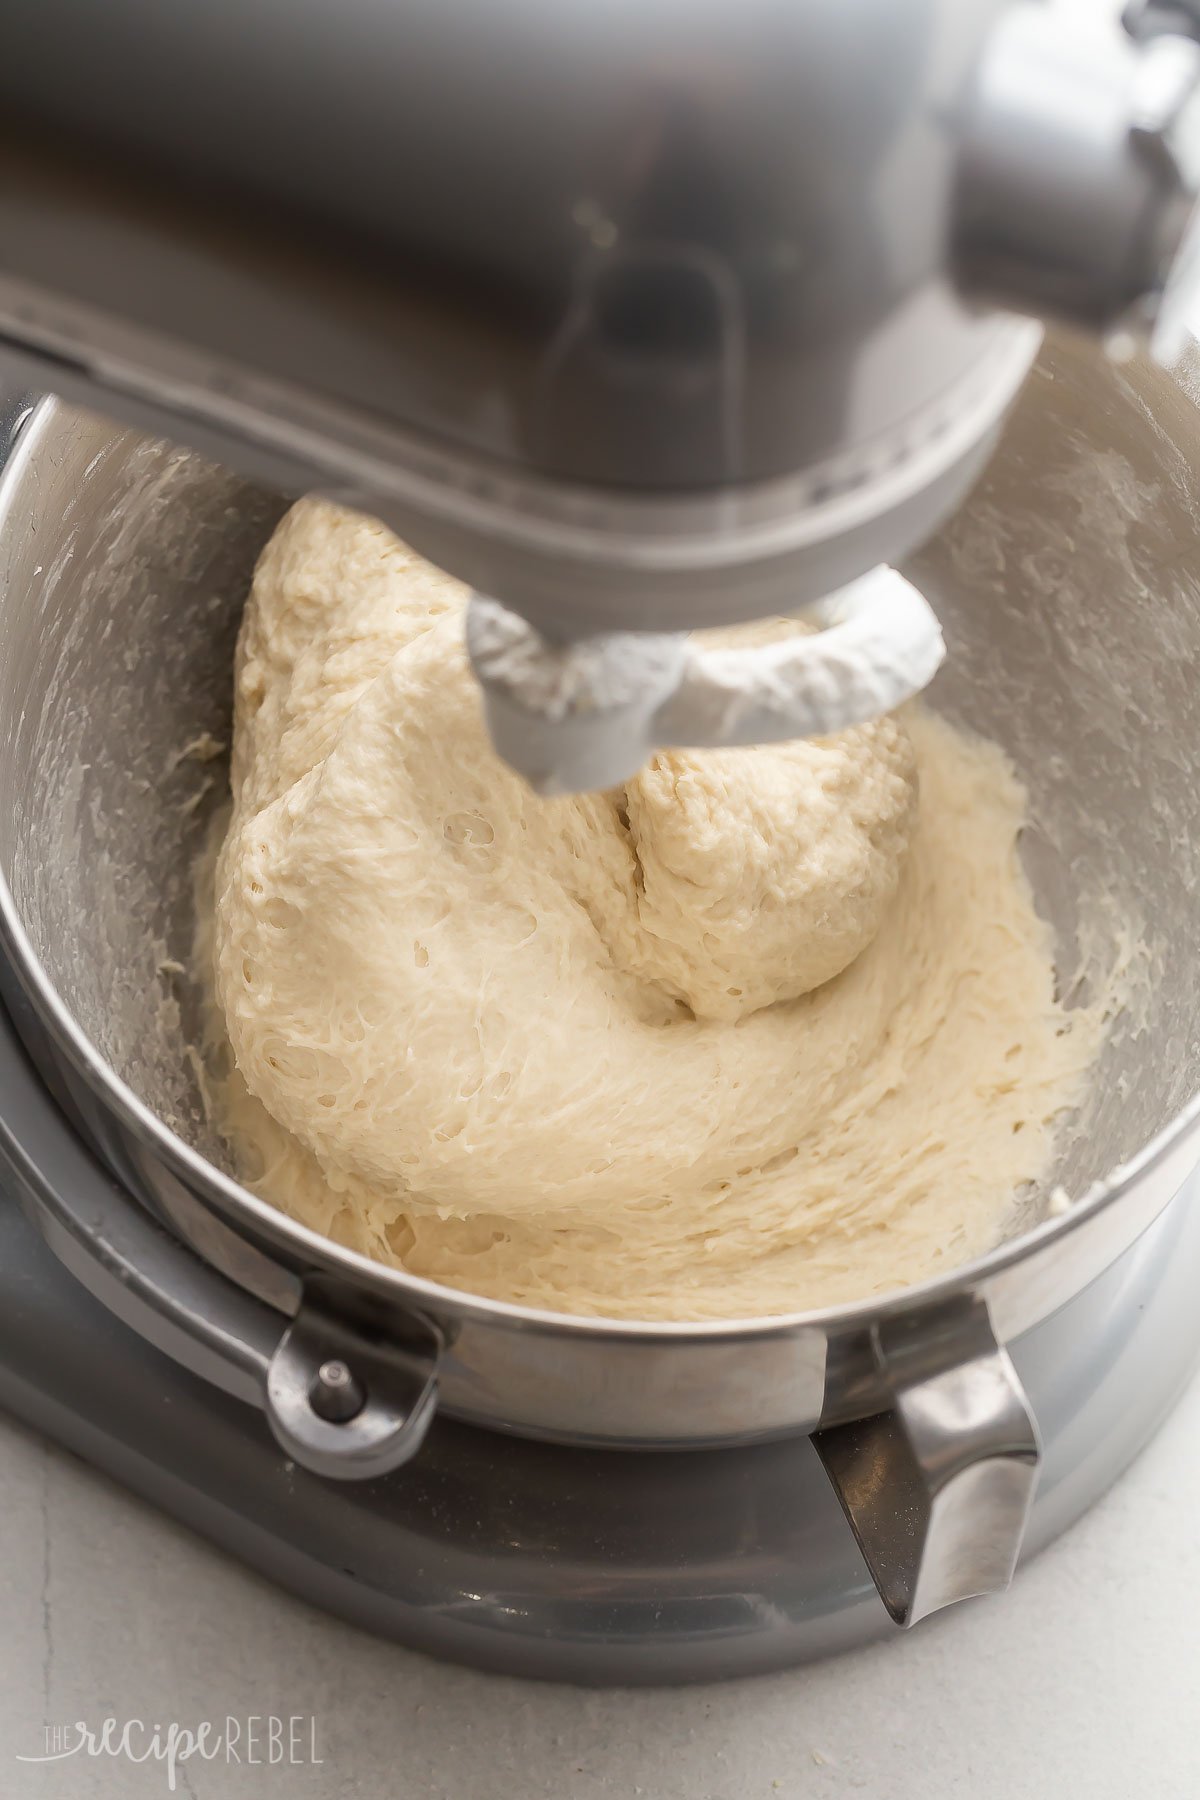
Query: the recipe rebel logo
pixel 264 1738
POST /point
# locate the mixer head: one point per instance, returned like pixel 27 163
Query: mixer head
pixel 643 319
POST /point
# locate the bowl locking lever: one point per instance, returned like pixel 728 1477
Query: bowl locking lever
pixel 937 1488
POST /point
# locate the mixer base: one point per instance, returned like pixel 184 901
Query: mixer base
pixel 590 1566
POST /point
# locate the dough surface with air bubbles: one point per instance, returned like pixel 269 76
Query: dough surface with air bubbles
pixel 755 1033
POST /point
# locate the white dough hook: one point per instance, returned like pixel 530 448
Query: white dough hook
pixel 589 713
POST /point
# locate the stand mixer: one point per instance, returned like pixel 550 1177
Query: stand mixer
pixel 655 320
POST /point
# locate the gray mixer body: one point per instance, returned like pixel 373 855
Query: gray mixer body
pixel 649 316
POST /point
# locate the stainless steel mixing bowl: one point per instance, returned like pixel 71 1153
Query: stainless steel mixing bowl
pixel 1072 610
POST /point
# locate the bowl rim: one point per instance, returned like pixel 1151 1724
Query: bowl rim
pixel 416 1293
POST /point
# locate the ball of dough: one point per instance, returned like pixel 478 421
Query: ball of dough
pixel 762 874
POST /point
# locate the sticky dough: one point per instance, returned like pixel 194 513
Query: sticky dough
pixel 754 1034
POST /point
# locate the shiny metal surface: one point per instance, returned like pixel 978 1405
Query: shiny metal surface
pixel 388 1378
pixel 937 1489
pixel 646 316
pixel 1089 503
pixel 1077 170
pixel 629 253
pixel 551 238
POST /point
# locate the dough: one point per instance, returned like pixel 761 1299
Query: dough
pixel 753 1034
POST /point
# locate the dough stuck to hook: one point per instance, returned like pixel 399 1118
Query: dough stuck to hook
pixel 590 712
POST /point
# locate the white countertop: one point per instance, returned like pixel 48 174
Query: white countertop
pixel 1084 1681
